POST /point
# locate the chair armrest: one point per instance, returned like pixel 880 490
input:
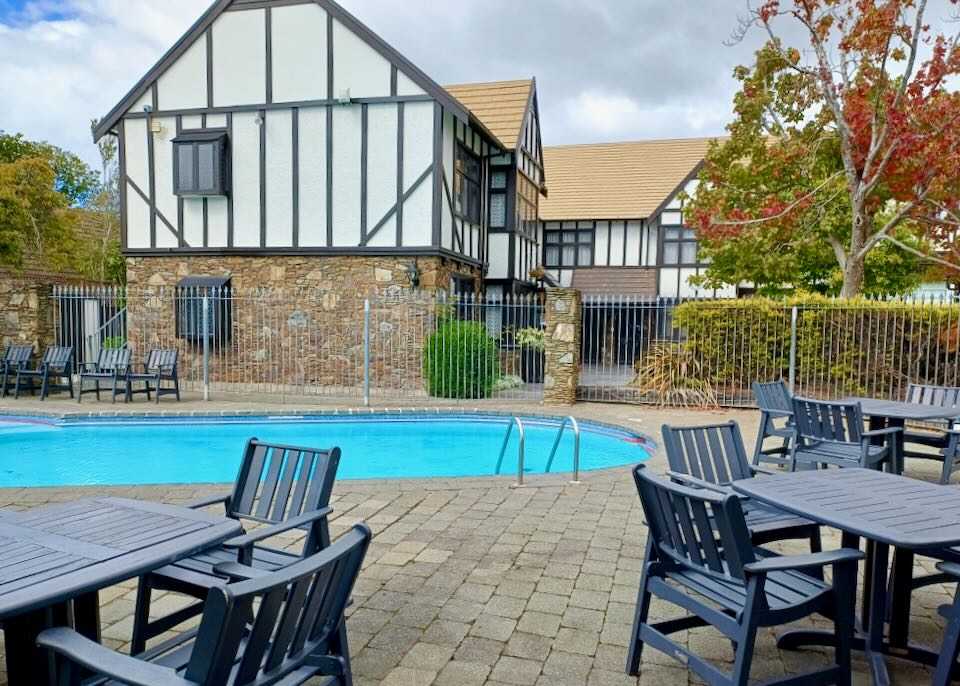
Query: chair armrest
pixel 951 568
pixel 757 469
pixel 206 502
pixel 249 539
pixel 101 660
pixel 86 366
pixel 778 414
pixel 886 431
pixel 699 483
pixel 238 572
pixel 781 563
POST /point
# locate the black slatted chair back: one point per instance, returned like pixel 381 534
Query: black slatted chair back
pixel 821 421
pixel 256 632
pixel 161 359
pixel 113 359
pixel 278 482
pixel 685 524
pixel 937 396
pixel 713 453
pixel 57 357
pixel 17 355
pixel 773 396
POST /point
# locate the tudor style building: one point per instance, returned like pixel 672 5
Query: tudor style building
pixel 283 143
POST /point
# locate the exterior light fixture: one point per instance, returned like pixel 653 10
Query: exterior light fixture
pixel 344 97
pixel 413 274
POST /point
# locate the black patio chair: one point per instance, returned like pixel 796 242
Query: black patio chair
pixel 54 371
pixel 951 636
pixel 280 627
pixel 831 433
pixel 161 365
pixel 283 487
pixel 713 457
pixel 14 357
pixel 951 456
pixel 934 435
pixel 731 585
pixel 111 367
pixel 775 404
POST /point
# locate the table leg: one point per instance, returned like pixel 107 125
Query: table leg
pixel 901 578
pixel 875 587
pixel 28 664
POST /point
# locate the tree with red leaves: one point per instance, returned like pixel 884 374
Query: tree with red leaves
pixel 849 145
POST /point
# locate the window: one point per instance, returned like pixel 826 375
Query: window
pixel 466 190
pixel 200 163
pixel 190 295
pixel 527 200
pixel 568 247
pixel 679 245
pixel 498 198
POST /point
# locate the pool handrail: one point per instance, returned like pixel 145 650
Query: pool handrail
pixel 503 449
pixel 567 421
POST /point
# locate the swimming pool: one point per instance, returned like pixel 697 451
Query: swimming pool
pixel 50 452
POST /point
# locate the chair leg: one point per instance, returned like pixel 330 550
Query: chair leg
pixel 16 387
pixel 80 389
pixel 845 584
pixel 141 617
pixel 43 386
pixel 639 619
pixel 338 645
pixel 176 388
pixel 758 450
pixel 97 387
pixel 743 657
pixel 950 646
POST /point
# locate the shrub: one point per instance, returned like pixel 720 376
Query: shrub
pixel 673 375
pixel 113 342
pixel 460 360
pixel 532 338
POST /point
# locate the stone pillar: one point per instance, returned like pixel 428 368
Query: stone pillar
pixel 562 356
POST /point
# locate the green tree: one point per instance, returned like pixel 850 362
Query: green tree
pixel 848 144
pixel 33 220
pixel 72 176
pixel 101 259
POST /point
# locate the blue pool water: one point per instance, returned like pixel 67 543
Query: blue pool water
pixel 41 452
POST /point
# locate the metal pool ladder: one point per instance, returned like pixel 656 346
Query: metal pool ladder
pixel 572 422
pixel 506 439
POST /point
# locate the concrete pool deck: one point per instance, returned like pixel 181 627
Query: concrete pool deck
pixel 473 581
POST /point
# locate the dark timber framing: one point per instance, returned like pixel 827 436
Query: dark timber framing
pixel 329 132
pixel 424 251
pixel 295 163
pixel 230 196
pixel 263 179
pixel 400 193
pixel 364 154
pixel 209 34
pixel 438 173
pixel 268 51
pixel 151 174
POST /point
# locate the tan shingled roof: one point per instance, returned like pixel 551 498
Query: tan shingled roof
pixel 616 180
pixel 500 105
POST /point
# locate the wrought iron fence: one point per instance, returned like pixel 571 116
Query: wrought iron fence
pixel 704 353
pixel 311 343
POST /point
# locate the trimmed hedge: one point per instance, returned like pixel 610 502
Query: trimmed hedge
pixel 851 346
pixel 460 360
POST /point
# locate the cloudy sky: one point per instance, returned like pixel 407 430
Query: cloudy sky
pixel 606 69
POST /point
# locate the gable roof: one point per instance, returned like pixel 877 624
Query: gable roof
pixel 617 180
pixel 335 10
pixel 500 105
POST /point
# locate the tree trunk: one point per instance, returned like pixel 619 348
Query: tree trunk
pixel 853 269
pixel 852 278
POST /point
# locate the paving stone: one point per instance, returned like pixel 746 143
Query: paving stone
pixel 539 623
pixel 493 627
pixel 406 676
pixel 529 646
pixel 576 641
pixel 513 670
pixel 458 673
pixel 427 656
pixel 446 632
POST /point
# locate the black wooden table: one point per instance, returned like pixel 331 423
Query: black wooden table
pixel 55 559
pixel 884 413
pixel 888 511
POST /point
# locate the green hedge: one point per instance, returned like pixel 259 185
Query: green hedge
pixel 460 360
pixel 856 346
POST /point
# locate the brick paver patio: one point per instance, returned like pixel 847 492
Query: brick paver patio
pixel 472 581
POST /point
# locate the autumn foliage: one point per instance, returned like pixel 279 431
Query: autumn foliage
pixel 841 147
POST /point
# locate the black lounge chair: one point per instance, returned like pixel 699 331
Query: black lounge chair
pixel 831 433
pixel 935 436
pixel 713 457
pixel 161 365
pixel 281 627
pixel 775 403
pixel 56 365
pixel 14 357
pixel 111 367
pixel 730 585
pixel 284 487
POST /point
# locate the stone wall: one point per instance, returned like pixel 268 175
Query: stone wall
pixel 26 311
pixel 306 328
pixel 562 356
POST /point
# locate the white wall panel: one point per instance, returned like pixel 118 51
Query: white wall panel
pixel 165 199
pixel 405 86
pixel 601 238
pixel 279 178
pixel 616 244
pixel 687 290
pixel 357 66
pixel 387 235
pixel 312 138
pixel 418 216
pixel 633 244
pixel 499 255
pixel 138 221
pixel 381 163
pixel 135 144
pixel 669 284
pixel 299 52
pixel 217 222
pixel 346 175
pixel 239 58
pixel 446 217
pixel 216 121
pixel 417 141
pixel 566 278
pixel 143 101
pixel 193 222
pixel 650 243
pixel 245 145
pixel 183 85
